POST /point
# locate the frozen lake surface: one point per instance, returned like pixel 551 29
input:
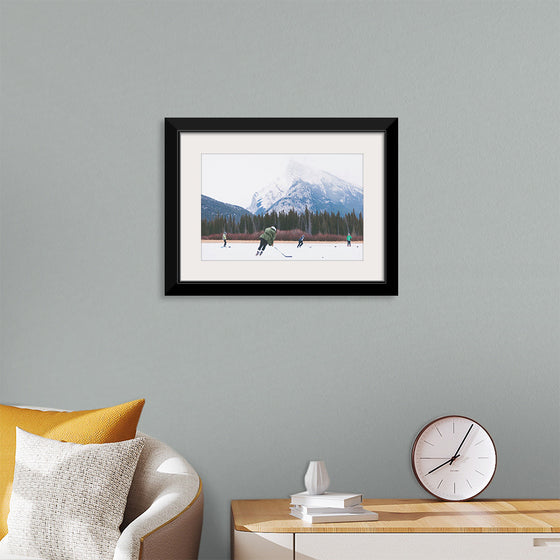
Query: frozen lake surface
pixel 243 251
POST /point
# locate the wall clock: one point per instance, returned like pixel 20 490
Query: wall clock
pixel 454 458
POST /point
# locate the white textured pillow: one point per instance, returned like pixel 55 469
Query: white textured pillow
pixel 68 499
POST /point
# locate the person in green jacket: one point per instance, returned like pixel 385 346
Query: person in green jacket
pixel 348 239
pixel 267 238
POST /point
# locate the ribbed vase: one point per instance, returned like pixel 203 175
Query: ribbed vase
pixel 316 478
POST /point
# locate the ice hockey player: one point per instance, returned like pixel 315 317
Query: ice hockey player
pixel 300 241
pixel 267 238
pixel 224 237
pixel 348 239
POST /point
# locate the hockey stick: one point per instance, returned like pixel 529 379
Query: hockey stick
pixel 287 256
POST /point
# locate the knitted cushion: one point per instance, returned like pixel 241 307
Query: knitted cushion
pixel 103 425
pixel 68 499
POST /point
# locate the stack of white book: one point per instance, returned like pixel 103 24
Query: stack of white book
pixel 330 507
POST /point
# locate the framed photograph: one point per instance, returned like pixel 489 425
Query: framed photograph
pixel 281 206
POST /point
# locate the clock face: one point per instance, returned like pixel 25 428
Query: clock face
pixel 454 458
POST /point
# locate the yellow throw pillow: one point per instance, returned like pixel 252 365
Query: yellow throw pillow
pixel 103 425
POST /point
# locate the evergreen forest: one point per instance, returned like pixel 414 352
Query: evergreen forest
pixel 315 225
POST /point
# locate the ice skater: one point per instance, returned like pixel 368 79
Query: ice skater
pixel 224 237
pixel 300 241
pixel 348 240
pixel 267 238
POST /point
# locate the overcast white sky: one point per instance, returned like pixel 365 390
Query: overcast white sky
pixel 234 178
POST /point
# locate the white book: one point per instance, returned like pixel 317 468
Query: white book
pixel 365 515
pixel 328 499
pixel 311 510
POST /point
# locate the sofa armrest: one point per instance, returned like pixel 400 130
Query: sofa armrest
pixel 163 517
pixel 159 533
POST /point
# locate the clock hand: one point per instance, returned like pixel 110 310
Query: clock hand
pixel 443 464
pixel 461 445
pixel 456 455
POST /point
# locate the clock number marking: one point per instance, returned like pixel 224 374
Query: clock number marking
pixel 438 432
pixel 440 483
pixel 460 445
pixel 429 443
pixel 468 482
pixel 482 474
pixel 479 442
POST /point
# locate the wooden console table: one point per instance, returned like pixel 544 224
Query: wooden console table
pixel 406 529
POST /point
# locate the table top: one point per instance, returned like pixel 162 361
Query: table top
pixel 409 516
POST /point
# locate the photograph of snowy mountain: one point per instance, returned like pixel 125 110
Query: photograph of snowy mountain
pixel 282 207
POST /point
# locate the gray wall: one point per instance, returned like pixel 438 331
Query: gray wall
pixel 251 388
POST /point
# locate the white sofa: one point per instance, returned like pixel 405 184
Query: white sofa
pixel 163 517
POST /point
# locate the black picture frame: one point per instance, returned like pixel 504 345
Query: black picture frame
pixel 174 286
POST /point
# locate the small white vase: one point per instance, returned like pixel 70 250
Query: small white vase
pixel 316 478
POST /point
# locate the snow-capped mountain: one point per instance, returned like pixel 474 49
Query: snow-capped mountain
pixel 210 208
pixel 302 187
